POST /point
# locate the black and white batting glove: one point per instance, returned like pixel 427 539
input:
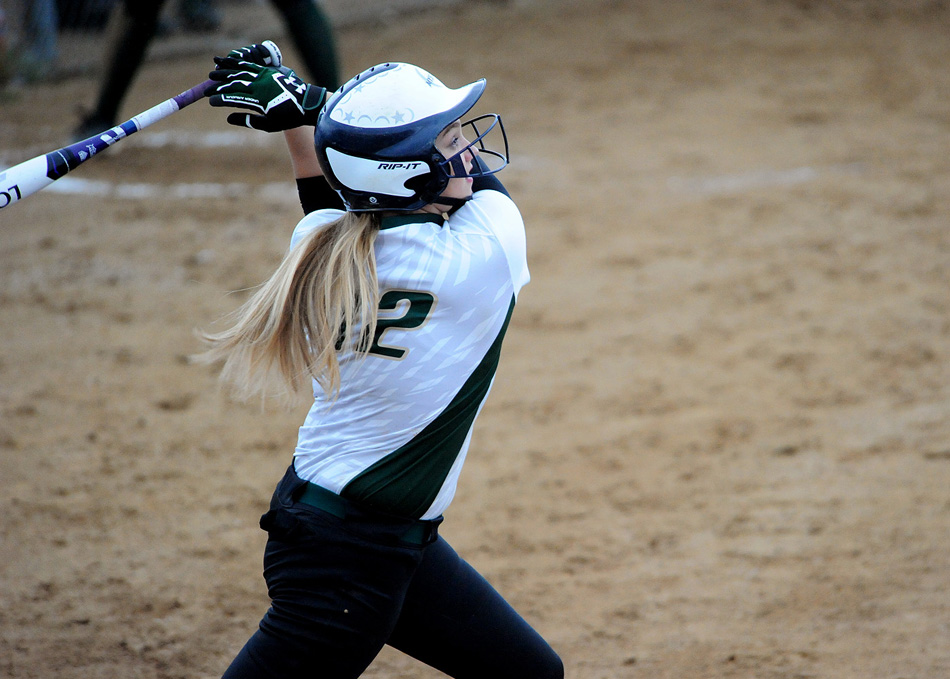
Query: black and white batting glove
pixel 279 99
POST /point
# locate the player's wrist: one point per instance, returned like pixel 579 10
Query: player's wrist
pixel 312 102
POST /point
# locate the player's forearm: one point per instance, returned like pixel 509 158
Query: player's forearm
pixel 303 155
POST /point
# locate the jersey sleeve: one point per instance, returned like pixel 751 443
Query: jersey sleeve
pixel 498 215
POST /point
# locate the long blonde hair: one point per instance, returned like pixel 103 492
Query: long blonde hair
pixel 315 303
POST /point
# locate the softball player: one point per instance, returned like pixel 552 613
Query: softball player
pixel 394 303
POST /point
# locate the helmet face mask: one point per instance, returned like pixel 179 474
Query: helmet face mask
pixel 492 160
pixel 375 138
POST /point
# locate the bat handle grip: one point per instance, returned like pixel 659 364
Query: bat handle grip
pixel 193 94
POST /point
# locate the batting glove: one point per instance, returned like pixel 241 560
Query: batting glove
pixel 280 100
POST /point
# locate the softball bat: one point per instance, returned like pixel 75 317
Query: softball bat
pixel 30 176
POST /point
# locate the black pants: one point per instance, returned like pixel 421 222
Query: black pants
pixel 341 588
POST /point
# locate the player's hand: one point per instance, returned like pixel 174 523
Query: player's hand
pixel 279 100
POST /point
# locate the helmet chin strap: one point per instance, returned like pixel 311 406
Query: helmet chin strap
pixel 440 202
pixel 453 203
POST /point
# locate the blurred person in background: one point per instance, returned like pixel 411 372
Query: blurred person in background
pixel 198 16
pixel 305 21
pixel 4 48
pixel 40 32
pixel 32 57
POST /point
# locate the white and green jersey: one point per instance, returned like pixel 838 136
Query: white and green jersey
pixel 397 435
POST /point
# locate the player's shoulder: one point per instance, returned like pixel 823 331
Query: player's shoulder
pixel 495 200
pixel 490 213
pixel 494 215
pixel 489 210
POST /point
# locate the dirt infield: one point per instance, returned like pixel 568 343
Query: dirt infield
pixel 719 441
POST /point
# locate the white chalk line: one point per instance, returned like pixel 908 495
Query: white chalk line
pixel 278 191
pixel 191 139
pixel 206 140
pixel 97 188
pixel 154 139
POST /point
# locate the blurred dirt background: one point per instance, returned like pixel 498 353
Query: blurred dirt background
pixel 719 440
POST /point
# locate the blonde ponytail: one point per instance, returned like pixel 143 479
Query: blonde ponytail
pixel 290 330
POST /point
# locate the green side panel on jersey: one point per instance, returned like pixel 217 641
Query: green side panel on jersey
pixel 406 481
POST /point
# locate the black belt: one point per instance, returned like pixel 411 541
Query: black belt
pixel 419 533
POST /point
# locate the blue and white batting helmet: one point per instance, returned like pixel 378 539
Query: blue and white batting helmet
pixel 375 137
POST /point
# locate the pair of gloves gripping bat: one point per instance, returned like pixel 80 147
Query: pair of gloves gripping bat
pixel 278 97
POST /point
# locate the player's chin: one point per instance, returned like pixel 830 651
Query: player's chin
pixel 459 188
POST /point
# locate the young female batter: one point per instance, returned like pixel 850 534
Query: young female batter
pixel 394 308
